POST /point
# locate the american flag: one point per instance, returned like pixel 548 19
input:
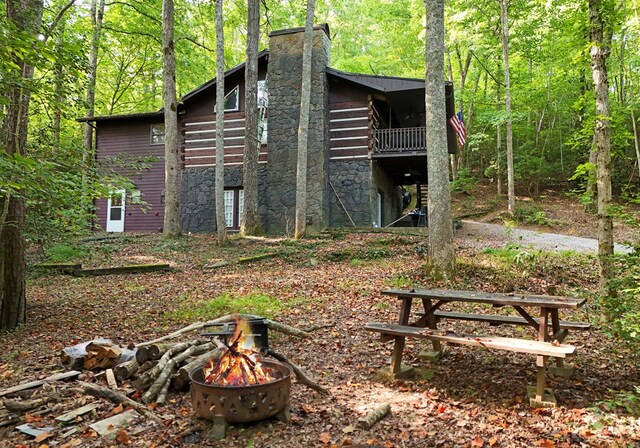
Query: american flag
pixel 457 122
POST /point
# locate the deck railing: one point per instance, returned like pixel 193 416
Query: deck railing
pixel 398 140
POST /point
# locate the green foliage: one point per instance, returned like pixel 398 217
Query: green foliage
pixel 401 281
pixel 514 254
pixel 254 303
pixel 464 182
pixel 531 214
pixel 179 244
pixel 360 254
pixel 66 252
pixel 623 309
pixel 628 401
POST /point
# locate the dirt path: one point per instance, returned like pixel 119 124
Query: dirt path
pixel 480 234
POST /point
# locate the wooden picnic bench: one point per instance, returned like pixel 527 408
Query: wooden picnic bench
pixel 550 330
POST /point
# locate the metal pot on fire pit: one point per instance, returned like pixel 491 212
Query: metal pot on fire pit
pixel 242 404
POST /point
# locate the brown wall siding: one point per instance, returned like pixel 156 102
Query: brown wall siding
pixel 349 128
pixel 133 139
pixel 198 140
pixel 204 102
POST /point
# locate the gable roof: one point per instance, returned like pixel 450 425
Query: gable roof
pixel 377 82
pixel 263 54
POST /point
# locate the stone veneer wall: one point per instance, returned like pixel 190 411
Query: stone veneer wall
pixel 197 200
pixel 353 182
pixel 283 83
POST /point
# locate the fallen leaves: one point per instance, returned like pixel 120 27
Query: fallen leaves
pixel 475 398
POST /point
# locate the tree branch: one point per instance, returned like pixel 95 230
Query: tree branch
pixel 57 19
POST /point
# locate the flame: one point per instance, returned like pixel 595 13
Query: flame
pixel 239 365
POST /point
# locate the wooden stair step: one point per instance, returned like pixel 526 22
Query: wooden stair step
pixel 495 342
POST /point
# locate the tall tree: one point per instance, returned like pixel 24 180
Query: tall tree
pixel 439 203
pixel 219 171
pixel 250 218
pixel 171 152
pixel 26 17
pixel 600 50
pixel 303 125
pixel 97 14
pixel 504 21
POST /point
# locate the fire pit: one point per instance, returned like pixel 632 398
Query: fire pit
pixel 242 404
pixel 239 386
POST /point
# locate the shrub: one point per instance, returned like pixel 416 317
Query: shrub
pixel 65 252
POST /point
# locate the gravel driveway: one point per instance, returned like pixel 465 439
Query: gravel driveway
pixel 481 234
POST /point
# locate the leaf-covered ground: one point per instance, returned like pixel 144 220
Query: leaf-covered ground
pixel 471 398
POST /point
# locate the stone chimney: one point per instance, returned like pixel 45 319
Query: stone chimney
pixel 284 79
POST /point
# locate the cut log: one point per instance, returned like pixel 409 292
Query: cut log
pixel 151 352
pixel 65 268
pixel 102 356
pixel 27 405
pixel 300 375
pixel 132 269
pixel 116 397
pixel 165 374
pixel 184 371
pixel 148 377
pixel 147 366
pixel 162 395
pixel 374 416
pixel 126 370
pixel 272 325
pixel 30 385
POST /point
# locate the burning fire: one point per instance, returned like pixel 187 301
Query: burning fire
pixel 239 364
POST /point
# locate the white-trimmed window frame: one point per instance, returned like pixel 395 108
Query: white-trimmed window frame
pixel 154 133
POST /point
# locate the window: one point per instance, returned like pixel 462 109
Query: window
pixel 263 104
pixel 233 207
pixel 157 134
pixel 231 100
pixel 263 95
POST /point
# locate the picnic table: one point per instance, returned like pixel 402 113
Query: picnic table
pixel 538 312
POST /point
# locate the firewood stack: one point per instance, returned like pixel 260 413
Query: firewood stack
pixel 101 356
pixel 157 368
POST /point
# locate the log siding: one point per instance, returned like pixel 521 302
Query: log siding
pixel 198 141
pixel 349 130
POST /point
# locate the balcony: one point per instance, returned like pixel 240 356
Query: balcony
pixel 399 141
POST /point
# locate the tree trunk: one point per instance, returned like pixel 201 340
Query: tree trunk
pixel 97 14
pixel 58 91
pixel 221 227
pixel 171 151
pixel 600 50
pixel 439 200
pixel 303 125
pixel 498 148
pixel 636 141
pixel 504 20
pixel 250 224
pixel 27 17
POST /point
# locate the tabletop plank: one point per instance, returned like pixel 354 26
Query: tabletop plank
pixel 488 298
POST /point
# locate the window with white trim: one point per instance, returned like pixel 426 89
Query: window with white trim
pixel 232 100
pixel 157 134
pixel 233 207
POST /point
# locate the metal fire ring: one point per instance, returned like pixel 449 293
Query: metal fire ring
pixel 242 404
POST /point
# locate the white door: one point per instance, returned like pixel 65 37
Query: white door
pixel 115 212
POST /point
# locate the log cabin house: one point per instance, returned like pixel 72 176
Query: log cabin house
pixel 366 141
